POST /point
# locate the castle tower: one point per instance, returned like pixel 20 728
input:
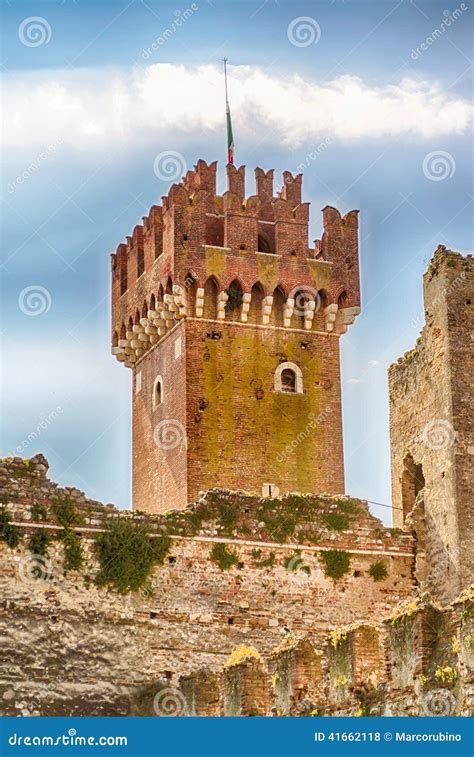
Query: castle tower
pixel 230 323
pixel 432 428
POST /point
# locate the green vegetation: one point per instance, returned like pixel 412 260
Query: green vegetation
pixel 336 563
pixel 38 512
pixel 378 570
pixel 39 541
pixel 235 298
pixel 336 521
pixel 263 562
pixel 127 555
pixel 73 552
pixel 64 512
pixel 8 532
pixel 225 558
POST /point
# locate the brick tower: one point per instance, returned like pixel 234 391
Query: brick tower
pixel 230 323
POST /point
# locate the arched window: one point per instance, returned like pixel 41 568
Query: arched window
pixel 211 290
pixel 115 339
pixel 191 290
pixel 278 307
pixel 289 379
pixel 342 300
pixel 322 301
pixel 256 302
pixel 144 310
pixel 263 244
pixel 157 396
pixel 169 286
pixel 233 305
pixel 301 297
pixel 152 302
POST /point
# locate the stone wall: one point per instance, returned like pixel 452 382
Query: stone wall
pixel 431 427
pixel 298 565
pixel 420 662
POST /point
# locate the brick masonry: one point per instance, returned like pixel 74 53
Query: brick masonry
pixel 221 421
pixel 70 647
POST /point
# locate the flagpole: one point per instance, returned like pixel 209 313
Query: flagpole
pixel 225 81
pixel 230 137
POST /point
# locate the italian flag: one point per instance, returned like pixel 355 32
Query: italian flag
pixel 230 137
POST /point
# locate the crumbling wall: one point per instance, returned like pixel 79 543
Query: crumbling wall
pixel 238 570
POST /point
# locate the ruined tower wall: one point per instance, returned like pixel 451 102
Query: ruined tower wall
pixel 431 425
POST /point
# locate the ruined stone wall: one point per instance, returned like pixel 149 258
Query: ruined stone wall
pixel 298 564
pixel 419 662
pixel 431 427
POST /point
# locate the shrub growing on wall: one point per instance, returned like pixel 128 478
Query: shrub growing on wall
pixel 336 563
pixel 127 555
pixel 8 532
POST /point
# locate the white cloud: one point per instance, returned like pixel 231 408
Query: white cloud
pixel 90 108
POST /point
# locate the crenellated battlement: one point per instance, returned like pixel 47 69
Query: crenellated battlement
pixel 198 249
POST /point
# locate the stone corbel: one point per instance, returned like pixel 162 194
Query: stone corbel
pixel 244 313
pixel 288 312
pixel 330 315
pixel 267 303
pixel 309 310
pixel 221 303
pixel 199 302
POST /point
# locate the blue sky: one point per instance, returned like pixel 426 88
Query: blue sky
pixel 98 90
